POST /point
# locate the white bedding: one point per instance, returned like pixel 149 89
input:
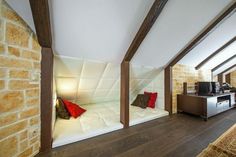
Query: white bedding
pixel 99 119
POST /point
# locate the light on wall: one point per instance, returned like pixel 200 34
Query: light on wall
pixel 67 87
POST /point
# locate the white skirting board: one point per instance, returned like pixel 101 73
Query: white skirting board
pixel 99 119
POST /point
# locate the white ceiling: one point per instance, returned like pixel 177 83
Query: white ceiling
pixel 225 66
pixel 179 23
pixel 221 57
pixel 221 35
pixel 103 29
pixel 22 7
pixel 97 29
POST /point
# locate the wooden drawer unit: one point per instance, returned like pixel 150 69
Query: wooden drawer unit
pixel 205 106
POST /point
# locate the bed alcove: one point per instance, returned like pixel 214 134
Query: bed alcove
pixel 147 79
pixel 94 86
pixel 98 87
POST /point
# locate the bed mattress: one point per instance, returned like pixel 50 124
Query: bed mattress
pixel 99 119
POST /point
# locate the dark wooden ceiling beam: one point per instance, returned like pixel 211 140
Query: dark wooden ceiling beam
pixel 215 53
pixel 150 19
pixel 147 24
pixel 41 16
pixel 228 69
pixel 223 63
pixel 204 34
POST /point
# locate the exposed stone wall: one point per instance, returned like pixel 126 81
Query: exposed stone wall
pixel 183 73
pixel 19 86
pixel 233 78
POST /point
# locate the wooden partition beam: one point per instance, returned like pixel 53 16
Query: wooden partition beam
pixel 168 89
pixel 228 78
pixel 46 99
pixel 41 16
pixel 124 101
pixel 215 53
pixel 223 63
pixel 228 69
pixel 147 24
pixel 168 70
pixel 220 78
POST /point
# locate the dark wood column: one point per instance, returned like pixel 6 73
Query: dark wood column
pixel 46 98
pixel 227 78
pixel 124 108
pixel 220 78
pixel 168 89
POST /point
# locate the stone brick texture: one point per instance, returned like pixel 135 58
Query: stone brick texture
pixel 233 78
pixel 184 73
pixel 20 57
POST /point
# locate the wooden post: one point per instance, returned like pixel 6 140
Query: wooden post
pixel 124 94
pixel 46 99
pixel 185 88
pixel 227 78
pixel 168 89
pixel 220 78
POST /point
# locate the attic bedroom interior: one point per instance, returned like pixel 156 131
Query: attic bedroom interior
pixel 118 78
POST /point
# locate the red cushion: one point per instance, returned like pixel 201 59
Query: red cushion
pixel 74 110
pixel 152 99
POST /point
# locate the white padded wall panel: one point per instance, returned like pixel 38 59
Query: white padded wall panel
pixel 106 84
pixel 88 84
pixel 85 81
pixel 112 71
pixel 66 67
pixel 93 69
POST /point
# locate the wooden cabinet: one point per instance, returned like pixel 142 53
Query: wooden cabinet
pixel 205 106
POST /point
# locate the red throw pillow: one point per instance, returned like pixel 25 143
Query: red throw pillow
pixel 74 110
pixel 152 99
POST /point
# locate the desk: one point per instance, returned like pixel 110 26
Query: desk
pixel 205 106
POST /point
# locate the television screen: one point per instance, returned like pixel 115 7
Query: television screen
pixel 204 88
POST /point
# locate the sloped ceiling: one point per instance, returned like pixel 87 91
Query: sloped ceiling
pixel 221 35
pixel 178 24
pixel 225 66
pixel 22 7
pixel 103 29
pixel 97 29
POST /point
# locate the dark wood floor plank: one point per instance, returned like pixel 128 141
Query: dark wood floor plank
pixel 177 135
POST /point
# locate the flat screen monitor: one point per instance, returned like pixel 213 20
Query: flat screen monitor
pixel 204 88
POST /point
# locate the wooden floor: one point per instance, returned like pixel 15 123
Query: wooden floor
pixel 179 135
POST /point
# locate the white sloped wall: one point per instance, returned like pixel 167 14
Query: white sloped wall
pixel 88 81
